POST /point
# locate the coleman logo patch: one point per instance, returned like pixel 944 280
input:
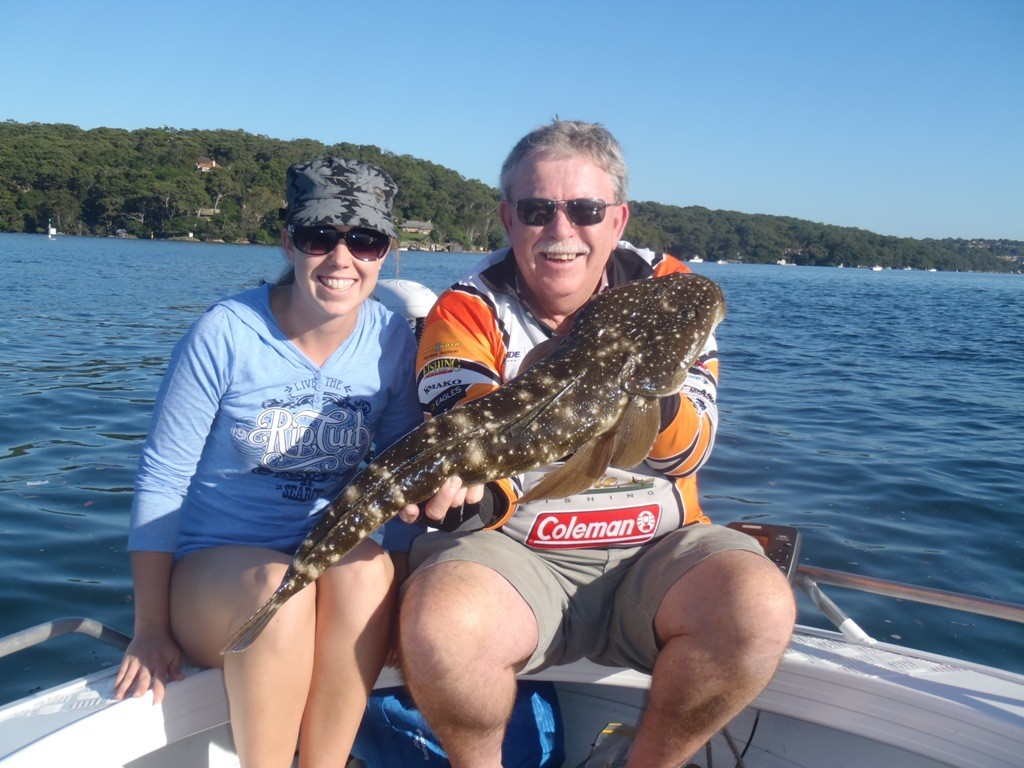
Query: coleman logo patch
pixel 624 527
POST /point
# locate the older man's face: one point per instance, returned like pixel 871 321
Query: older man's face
pixel 560 262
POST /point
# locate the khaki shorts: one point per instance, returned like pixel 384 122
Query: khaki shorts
pixel 589 603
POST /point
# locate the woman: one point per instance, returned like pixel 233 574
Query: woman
pixel 268 406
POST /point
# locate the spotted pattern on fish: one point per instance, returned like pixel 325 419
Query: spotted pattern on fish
pixel 595 396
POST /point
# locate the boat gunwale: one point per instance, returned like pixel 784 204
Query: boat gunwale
pixel 817 665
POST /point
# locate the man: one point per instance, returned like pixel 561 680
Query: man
pixel 696 605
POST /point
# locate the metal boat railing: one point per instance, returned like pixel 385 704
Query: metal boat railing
pixel 982 606
pixel 808 577
pixel 40 633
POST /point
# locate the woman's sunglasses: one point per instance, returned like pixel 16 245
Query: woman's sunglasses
pixel 321 239
pixel 539 211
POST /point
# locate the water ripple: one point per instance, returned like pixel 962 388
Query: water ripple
pixel 878 412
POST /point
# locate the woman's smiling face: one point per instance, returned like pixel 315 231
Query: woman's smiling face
pixel 332 285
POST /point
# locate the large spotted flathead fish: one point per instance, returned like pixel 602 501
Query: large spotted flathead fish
pixel 595 396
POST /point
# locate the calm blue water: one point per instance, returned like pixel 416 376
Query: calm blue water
pixel 880 412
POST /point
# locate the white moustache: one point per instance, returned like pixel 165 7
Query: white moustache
pixel 562 249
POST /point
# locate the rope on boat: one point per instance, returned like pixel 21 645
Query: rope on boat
pixel 733 748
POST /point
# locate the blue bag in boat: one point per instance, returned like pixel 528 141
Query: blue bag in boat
pixel 394 733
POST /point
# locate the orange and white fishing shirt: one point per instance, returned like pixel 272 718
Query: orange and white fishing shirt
pixel 475 339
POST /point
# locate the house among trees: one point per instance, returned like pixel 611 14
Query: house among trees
pixel 419 227
pixel 205 165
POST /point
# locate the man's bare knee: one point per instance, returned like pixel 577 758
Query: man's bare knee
pixel 739 601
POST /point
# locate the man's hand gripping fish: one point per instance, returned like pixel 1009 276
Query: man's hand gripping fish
pixel 594 396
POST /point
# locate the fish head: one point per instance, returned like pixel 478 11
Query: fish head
pixel 661 325
pixel 686 309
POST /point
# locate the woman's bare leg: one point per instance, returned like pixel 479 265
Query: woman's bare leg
pixel 212 592
pixel 355 613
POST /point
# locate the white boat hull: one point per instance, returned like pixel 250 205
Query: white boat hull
pixel 832 703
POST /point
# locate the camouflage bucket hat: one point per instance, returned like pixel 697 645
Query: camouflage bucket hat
pixel 345 193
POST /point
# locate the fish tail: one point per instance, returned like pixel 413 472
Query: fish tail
pixel 250 630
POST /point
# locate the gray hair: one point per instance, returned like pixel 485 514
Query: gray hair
pixel 569 138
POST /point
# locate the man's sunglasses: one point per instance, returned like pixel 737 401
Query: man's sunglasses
pixel 321 239
pixel 539 211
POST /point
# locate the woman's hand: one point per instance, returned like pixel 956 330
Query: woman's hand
pixel 152 659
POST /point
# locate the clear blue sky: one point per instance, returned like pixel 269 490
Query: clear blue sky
pixel 903 117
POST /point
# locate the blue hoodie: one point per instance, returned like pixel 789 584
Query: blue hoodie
pixel 250 440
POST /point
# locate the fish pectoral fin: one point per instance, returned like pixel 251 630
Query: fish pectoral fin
pixel 623 447
pixel 636 432
pixel 581 471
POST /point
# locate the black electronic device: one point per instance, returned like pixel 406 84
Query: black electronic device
pixel 780 542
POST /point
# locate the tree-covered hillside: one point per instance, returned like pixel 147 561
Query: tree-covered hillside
pixel 218 185
pixel 758 238
pixel 228 185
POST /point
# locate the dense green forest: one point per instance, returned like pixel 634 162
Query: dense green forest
pixel 227 186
